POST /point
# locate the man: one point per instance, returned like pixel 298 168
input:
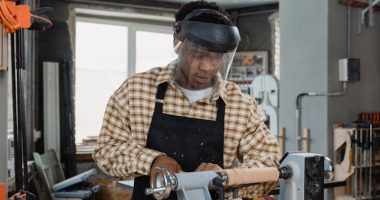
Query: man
pixel 185 116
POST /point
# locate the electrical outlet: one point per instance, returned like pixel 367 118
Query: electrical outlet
pixel 349 69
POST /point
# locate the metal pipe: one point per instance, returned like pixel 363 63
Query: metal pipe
pixel 21 108
pixel 299 118
pixel 18 170
pixel 299 108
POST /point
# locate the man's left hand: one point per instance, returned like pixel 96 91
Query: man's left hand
pixel 208 167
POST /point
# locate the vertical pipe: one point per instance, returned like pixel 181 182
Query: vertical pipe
pixel 22 110
pixel 18 169
pixel 21 106
pixel 298 128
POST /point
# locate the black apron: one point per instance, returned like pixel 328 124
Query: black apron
pixel 189 141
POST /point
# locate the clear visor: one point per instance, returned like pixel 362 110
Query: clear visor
pixel 200 65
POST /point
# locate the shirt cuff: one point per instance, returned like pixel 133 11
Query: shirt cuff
pixel 150 156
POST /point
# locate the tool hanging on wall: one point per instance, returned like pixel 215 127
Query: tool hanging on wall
pixel 14 18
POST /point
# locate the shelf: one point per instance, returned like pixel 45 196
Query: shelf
pixel 357 166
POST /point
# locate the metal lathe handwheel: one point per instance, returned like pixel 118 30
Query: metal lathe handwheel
pixel 162 183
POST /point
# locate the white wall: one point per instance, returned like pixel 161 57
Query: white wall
pixel 363 96
pixel 303 68
pixel 313 38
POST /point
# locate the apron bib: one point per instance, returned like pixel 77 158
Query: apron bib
pixel 189 141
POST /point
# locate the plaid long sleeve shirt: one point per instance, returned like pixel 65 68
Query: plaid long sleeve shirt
pixel 121 150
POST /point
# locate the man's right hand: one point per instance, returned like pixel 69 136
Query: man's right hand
pixel 164 161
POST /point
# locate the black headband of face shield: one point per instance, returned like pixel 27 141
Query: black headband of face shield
pixel 215 37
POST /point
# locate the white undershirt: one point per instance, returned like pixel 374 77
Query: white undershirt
pixel 195 95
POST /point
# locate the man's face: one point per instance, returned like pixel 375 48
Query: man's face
pixel 198 67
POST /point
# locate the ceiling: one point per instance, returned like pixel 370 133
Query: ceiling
pixel 230 4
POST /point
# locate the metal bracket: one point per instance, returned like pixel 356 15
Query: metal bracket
pixel 362 13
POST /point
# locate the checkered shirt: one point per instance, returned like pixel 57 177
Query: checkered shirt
pixel 121 148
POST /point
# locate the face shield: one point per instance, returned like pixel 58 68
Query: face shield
pixel 204 49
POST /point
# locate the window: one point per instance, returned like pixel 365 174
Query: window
pixel 153 49
pixel 107 52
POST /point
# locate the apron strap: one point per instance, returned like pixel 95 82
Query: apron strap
pixel 160 95
pixel 161 91
pixel 220 113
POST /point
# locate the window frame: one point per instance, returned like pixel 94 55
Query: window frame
pixel 132 28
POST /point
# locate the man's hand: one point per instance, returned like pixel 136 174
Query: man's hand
pixel 208 167
pixel 167 162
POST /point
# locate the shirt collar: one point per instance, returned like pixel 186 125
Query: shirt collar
pixel 219 89
pixel 166 74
